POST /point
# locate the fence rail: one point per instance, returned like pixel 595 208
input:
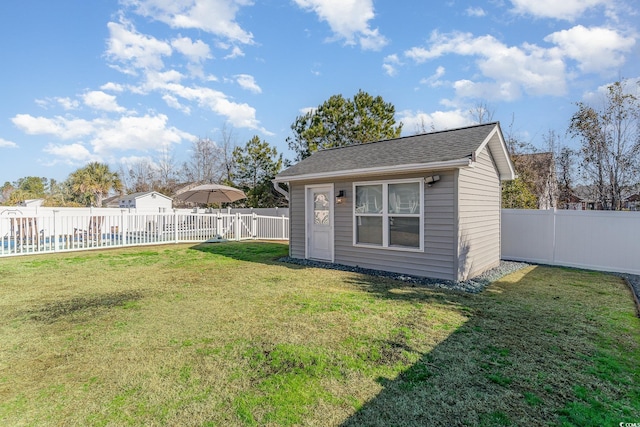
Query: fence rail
pixel 596 240
pixel 56 231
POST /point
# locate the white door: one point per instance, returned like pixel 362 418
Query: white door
pixel 320 223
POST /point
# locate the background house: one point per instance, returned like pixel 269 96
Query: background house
pixel 151 200
pixel 426 205
pixel 632 202
pixel 31 203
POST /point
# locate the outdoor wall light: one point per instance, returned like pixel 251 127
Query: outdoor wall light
pixel 340 197
pixel 429 180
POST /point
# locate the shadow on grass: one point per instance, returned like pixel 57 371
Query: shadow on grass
pixel 249 251
pixel 532 360
pixel 379 286
pixel 528 354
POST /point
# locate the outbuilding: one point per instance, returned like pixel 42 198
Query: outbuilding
pixel 149 200
pixel 425 205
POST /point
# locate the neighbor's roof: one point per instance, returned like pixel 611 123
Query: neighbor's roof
pixel 143 194
pixel 437 150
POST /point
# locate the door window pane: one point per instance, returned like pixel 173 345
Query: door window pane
pixel 404 231
pixel 369 199
pixel 369 229
pixel 404 198
pixel 321 208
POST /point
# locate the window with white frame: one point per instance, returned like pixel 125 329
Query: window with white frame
pixel 389 214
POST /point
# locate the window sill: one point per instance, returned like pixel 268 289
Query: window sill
pixel 389 248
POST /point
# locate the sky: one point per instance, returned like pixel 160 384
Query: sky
pixel 121 81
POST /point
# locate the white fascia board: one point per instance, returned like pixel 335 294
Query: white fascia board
pixel 384 170
pixel 500 148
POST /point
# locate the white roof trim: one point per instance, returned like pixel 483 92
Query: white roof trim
pixel 383 170
pixel 503 162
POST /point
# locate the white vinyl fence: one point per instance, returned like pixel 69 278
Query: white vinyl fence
pixel 53 230
pixel 596 240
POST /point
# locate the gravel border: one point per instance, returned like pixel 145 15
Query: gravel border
pixel 633 280
pixel 474 286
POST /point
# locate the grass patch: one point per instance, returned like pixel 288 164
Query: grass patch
pixel 222 334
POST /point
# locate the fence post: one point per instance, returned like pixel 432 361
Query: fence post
pixel 553 249
pixel 55 237
pixel 236 228
pixel 219 225
pixel 123 228
pixel 175 226
pixel 254 225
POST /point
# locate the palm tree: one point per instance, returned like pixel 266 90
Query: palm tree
pixel 93 182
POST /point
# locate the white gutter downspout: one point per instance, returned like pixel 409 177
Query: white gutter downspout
pixel 276 185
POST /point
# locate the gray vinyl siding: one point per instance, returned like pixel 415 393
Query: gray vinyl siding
pixel 296 221
pixel 478 217
pixel 436 261
pixel 468 198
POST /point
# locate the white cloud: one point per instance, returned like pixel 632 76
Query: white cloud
pixel 504 91
pixel 105 136
pixel 595 49
pixel 68 103
pixel 390 64
pixel 7 144
pixel 113 87
pixel 475 11
pixel 565 9
pixel 213 16
pixel 196 51
pixel 173 102
pixel 159 80
pixel 629 86
pixel 349 20
pixel 389 69
pixel 134 50
pixel 70 154
pixel 434 79
pixel 102 101
pixel 135 132
pixel 132 161
pixel 510 71
pixel 239 115
pixel 529 68
pixel 248 82
pixel 236 52
pixel 59 127
pixel 414 122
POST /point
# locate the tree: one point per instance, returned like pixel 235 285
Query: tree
pixel 93 182
pixel 204 164
pixel 516 195
pixel 6 190
pixel 339 122
pixel 516 145
pixel 481 113
pixel 166 172
pixel 520 193
pixel 610 144
pixel 35 187
pixel 227 148
pixel 564 167
pixel 138 176
pixel 256 164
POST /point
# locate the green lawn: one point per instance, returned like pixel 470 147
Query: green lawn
pixel 222 334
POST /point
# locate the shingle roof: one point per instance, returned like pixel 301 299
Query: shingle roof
pixel 142 194
pixel 429 148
